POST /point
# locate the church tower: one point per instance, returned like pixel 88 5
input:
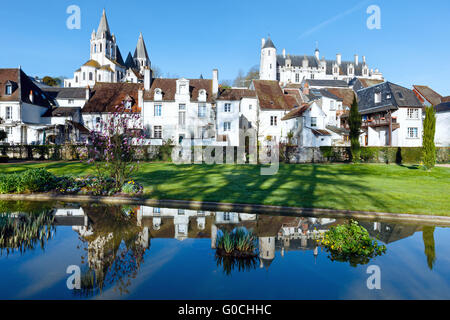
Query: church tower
pixel 140 57
pixel 268 65
pixel 103 43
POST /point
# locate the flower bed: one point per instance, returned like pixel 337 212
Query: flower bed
pixel 40 180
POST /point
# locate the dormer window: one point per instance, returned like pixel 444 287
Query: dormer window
pixel 158 94
pixel 377 97
pixel 202 95
pixel 8 90
pixel 128 104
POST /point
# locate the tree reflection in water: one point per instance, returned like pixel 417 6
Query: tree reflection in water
pixel 115 246
pixel 428 241
pixel 23 227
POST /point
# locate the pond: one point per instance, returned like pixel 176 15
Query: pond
pixel 141 252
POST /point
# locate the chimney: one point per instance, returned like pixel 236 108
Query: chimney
pixel 284 53
pixel 31 96
pixel 263 42
pixel 338 59
pixel 306 89
pixel 356 59
pixel 140 99
pixel 88 93
pixel 364 59
pixel 215 82
pixel 147 79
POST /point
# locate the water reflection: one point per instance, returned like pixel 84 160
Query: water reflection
pixel 115 239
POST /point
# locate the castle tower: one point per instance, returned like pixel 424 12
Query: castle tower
pixel 268 65
pixel 103 43
pixel 266 251
pixel 140 56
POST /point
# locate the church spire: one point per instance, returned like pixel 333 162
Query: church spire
pixel 141 50
pixel 103 27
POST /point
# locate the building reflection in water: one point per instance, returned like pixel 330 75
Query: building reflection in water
pixel 117 238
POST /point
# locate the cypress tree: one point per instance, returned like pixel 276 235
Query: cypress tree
pixel 428 147
pixel 354 121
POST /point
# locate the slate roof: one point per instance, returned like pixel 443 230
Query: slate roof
pixel 169 89
pixel 62 112
pixel 393 96
pixel 297 61
pixel 129 63
pixel 442 107
pixel 105 97
pixel 22 85
pixel 268 44
pixel 429 94
pixel 327 83
pixel 270 95
pixel 65 93
pixel 236 94
pixel 119 58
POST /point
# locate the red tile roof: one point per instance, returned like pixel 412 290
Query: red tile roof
pixel 270 95
pixel 107 96
pixel 429 94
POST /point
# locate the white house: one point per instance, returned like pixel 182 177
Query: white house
pixel 392 116
pixel 22 105
pixel 442 135
pixel 310 125
pixel 180 110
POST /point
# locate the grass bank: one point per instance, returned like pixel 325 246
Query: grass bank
pixel 366 187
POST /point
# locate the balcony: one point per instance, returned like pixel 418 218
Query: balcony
pixel 380 122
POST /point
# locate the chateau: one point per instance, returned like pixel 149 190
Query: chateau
pixel 287 68
pixel 106 63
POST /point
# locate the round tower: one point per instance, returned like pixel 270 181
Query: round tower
pixel 268 65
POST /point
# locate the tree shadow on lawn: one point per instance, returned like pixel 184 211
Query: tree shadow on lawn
pixel 311 186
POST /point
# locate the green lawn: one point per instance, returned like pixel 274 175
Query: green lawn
pixel 372 187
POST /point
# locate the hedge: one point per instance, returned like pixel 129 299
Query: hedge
pixel 399 155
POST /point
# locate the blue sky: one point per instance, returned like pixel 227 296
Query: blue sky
pixel 189 38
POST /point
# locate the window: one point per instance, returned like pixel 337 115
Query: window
pixel 156 210
pixel 157 134
pixel 8 113
pixel 377 97
pixel 70 101
pixel 158 108
pixel 226 126
pixel 90 75
pixel 413 113
pixel 297 77
pixel 313 122
pixel 202 111
pixel 76 79
pixel 84 75
pixel 99 78
pixel 8 89
pixel 182 107
pixel 250 107
pixel 332 107
pixel 227 107
pixel 312 76
pixel 413 133
pixel 9 130
pixel 182 118
pixel 273 120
